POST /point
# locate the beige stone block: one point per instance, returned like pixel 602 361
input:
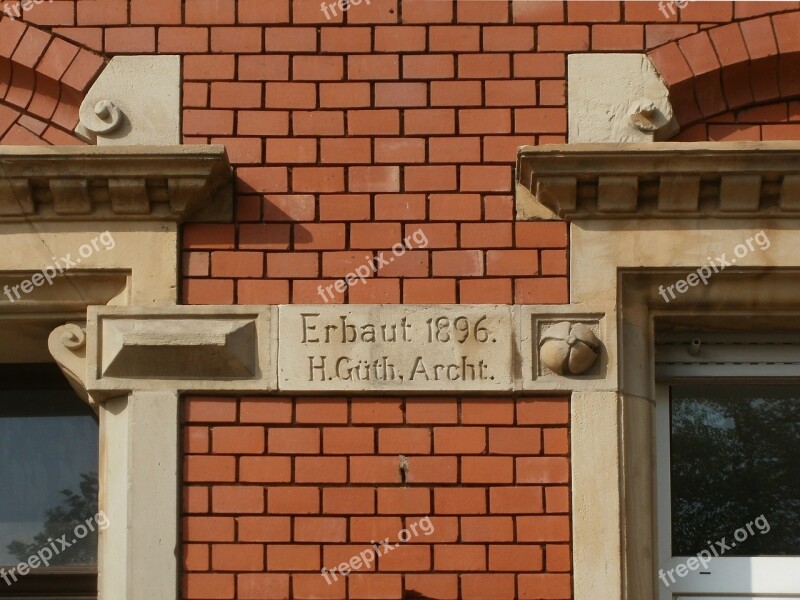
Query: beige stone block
pixel 398 348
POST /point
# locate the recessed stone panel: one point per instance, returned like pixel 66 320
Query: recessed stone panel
pixel 403 348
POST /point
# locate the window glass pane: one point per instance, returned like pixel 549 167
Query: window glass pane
pixel 48 467
pixel 735 455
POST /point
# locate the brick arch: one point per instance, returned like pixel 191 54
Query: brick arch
pixel 750 62
pixel 43 78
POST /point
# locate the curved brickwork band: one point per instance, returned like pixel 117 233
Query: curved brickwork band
pixel 731 66
pixel 43 79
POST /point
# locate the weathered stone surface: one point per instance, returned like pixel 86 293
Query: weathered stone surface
pixel 405 348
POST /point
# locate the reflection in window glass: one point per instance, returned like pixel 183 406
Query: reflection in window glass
pixel 735 455
pixel 48 466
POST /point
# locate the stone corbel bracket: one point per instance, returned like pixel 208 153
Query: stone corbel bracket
pixel 67 344
pixel 558 331
pixel 181 348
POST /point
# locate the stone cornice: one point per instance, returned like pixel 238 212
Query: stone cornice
pixel 663 180
pixel 90 183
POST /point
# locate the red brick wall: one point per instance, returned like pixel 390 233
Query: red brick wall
pixel 277 488
pixel 346 136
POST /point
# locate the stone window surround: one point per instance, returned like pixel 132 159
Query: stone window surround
pixel 642 216
pixel 53 200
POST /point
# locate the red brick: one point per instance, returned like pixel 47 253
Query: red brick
pixel 295 264
pixel 313 586
pixel 556 499
pixel 517 440
pixel 433 585
pixel 425 11
pixel 372 586
pixel 429 291
pixel 374 235
pixel 346 150
pixel 255 11
pixel 487 529
pixel 516 500
pixel 317 68
pixel 543 528
pixel 456 93
pixel 401 94
pixel 290 95
pixel 549 290
pixel 558 557
pixel 344 95
pixel 259 67
pixel 404 500
pixel 431 410
pixel 130 39
pixel 210 410
pixel 519 557
pixel 542 470
pixel 511 93
pixel 366 529
pixel 376 410
pixel 571 38
pixel 348 501
pixel 508 38
pixel 487 469
pixel 309 11
pixel 556 441
pixel 429 121
pixel 289 39
pixel 462 38
pixel 208 122
pixel 484 120
pixel 293 500
pixel 350 207
pixel 321 410
pixel 237 499
pixel 540 64
pixel 455 207
pixel 372 67
pixel 432 469
pixel 256 586
pixel 484 66
pixel 237 264
pixel 399 150
pixel 374 179
pixel 455 149
pixel 266 410
pixel 316 469
pixel 499 411
pixel 618 37
pixel 542 234
pixel 237 557
pixel 209 469
pixel 430 179
pixel 486 291
pixel 404 440
pixel 319 236
pixel 409 207
pixel 482 11
pixel 346 40
pixel 208 291
pixel 374 469
pixel 378 11
pixel 512 262
pixel 549 586
pixel 251 122
pixel 208 585
pixel 293 557
pixel 293 440
pixel 348 440
pixel 196 557
pixel 487 585
pixel 208 529
pixel 406 558
pixel 459 501
pixel 459 557
pixel 195 439
pixel 320 529
pixel 542 412
pixel 265 469
pixel 373 122
pixel 462 263
pixel 399 38
pixel 264 237
pixel 237 39
pixel 318 123
pixel 237 440
pixel 460 440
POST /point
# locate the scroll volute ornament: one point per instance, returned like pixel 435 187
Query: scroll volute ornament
pixel 569 348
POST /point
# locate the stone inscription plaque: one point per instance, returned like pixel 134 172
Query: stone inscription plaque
pixel 404 348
